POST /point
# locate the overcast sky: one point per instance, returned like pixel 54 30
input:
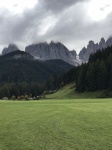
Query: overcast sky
pixel 72 22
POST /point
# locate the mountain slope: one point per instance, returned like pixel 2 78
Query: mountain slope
pixel 97 73
pixel 10 48
pixel 17 54
pixel 68 92
pixel 21 67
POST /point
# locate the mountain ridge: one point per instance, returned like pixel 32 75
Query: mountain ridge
pixel 27 69
pixel 11 48
pixel 93 47
pixel 52 50
pixel 56 50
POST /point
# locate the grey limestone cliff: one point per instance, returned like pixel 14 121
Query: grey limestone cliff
pixel 92 48
pixel 109 42
pixel 102 44
pixel 45 51
pixel 10 48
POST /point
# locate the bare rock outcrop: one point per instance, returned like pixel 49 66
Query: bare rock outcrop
pixel 10 48
pixel 92 48
pixel 45 51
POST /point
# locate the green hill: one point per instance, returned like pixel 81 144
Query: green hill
pixel 69 92
pixel 20 67
pixel 22 74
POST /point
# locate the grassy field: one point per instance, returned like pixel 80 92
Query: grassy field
pixel 56 125
pixel 69 92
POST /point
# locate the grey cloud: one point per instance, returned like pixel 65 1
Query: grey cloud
pixel 25 26
pixel 69 25
pixel 59 5
pixel 16 27
pixel 77 29
pixel 73 27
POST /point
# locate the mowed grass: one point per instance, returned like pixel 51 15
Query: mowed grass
pixel 56 125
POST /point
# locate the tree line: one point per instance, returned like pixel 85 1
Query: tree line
pixel 91 76
pixel 34 89
pixel 27 76
pixel 97 73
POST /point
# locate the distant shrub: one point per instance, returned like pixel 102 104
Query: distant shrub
pixel 26 97
pixel 13 97
pixel 22 97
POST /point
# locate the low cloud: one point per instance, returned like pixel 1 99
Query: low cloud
pixel 66 21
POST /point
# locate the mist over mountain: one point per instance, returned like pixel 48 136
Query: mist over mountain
pixel 53 51
pixel 19 66
pixel 10 48
pixel 49 66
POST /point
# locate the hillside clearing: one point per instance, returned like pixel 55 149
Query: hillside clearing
pixel 68 92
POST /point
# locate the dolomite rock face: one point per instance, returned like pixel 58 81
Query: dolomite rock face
pixel 73 53
pixel 92 48
pixel 85 52
pixel 109 42
pixel 102 44
pixel 45 51
pixel 10 48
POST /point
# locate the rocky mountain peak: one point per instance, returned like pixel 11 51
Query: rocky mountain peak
pixel 102 44
pixel 91 43
pixel 74 52
pixel 109 42
pixel 102 40
pixel 45 51
pixel 92 48
pixel 10 48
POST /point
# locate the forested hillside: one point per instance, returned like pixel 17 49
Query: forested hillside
pixel 97 73
pixel 21 74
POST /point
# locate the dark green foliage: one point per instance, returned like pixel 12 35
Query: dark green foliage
pixel 26 70
pixel 21 74
pixel 66 78
pixel 91 77
pixel 106 94
pixel 18 89
pixel 81 79
pixel 103 76
pixel 4 91
pixel 110 79
pixel 98 72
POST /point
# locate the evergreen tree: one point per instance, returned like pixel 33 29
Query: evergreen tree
pixel 5 91
pixel 91 77
pixel 81 81
pixel 103 76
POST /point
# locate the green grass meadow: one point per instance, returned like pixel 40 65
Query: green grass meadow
pixel 68 92
pixel 76 124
